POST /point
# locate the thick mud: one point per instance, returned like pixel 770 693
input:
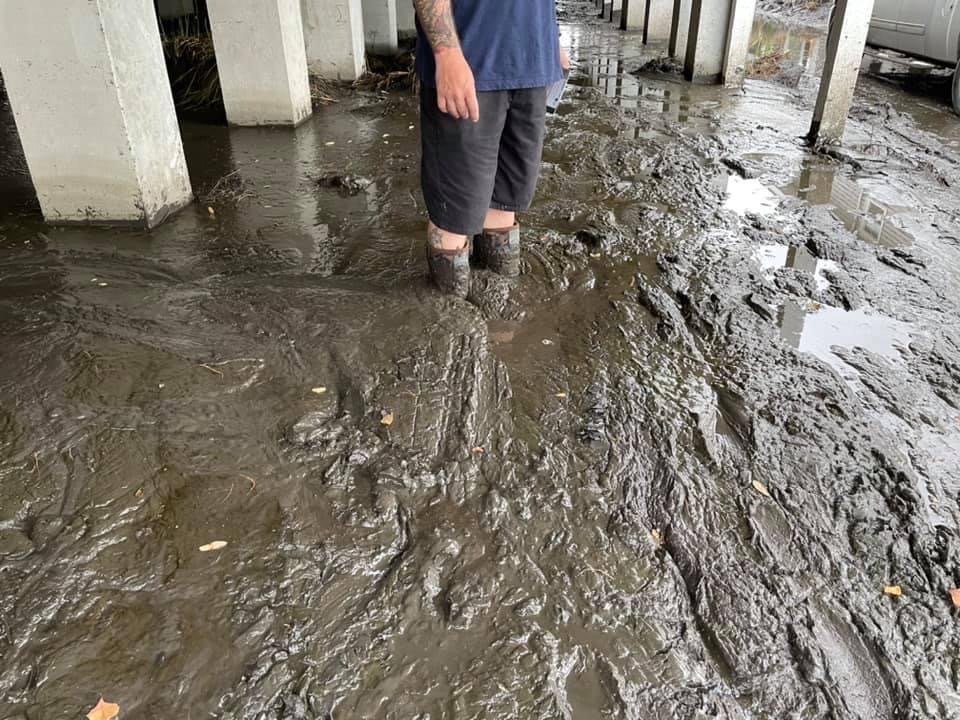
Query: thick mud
pixel 668 473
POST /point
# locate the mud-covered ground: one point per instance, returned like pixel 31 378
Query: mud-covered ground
pixel 667 474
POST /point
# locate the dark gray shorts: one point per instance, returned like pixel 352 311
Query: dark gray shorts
pixel 468 167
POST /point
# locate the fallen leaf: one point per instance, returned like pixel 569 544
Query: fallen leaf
pixel 657 537
pixel 104 711
pixel 138 493
pixel 215 545
pixel 319 390
pixel 387 419
pixel 761 488
pixel 478 450
pixel 210 210
pixel 893 590
pixel 955 596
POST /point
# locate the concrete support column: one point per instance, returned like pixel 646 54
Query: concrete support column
pixel 706 43
pixel 849 26
pixel 680 28
pixel 380 26
pixel 89 90
pixel 659 19
pixel 262 58
pixel 612 9
pixel 333 31
pixel 742 13
pixel 633 14
pixel 406 19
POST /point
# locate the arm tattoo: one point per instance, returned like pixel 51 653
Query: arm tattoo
pixel 436 17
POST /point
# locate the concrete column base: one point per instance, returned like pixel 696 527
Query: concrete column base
pixel 333 31
pixel 261 54
pixel 849 26
pixel 406 19
pixel 680 28
pixel 633 14
pixel 706 43
pixel 739 31
pixel 380 26
pixel 656 27
pixel 90 95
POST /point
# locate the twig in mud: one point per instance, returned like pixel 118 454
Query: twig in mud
pixel 231 188
pixel 211 369
pixel 253 483
pixel 227 496
pixel 36 463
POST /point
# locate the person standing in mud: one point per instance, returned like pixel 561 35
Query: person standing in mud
pixel 484 68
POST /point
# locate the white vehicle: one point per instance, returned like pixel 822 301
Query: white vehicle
pixel 927 29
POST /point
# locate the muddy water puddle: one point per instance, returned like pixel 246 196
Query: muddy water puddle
pixel 667 473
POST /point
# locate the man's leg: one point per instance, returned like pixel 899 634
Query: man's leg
pixel 499 219
pixel 518 168
pixel 458 173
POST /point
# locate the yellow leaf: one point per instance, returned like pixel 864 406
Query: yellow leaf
pixel 215 545
pixel 761 488
pixel 893 590
pixel 210 210
pixel 103 711
pixel 319 390
pixel 387 419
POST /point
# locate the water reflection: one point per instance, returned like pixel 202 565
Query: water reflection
pixel 862 214
pixel 772 257
pixel 805 48
pixel 819 329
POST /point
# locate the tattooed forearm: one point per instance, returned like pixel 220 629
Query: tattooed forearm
pixel 436 17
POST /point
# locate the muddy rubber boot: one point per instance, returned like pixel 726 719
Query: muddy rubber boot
pixel 450 269
pixel 499 250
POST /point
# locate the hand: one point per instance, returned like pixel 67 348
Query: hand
pixel 456 91
pixel 564 59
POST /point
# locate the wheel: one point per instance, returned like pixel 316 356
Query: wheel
pixel 956 90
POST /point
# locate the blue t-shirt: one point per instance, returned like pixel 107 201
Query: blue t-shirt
pixel 509 44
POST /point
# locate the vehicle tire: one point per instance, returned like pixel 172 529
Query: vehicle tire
pixel 956 90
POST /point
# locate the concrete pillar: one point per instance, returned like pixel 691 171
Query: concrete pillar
pixel 633 14
pixel 380 26
pixel 849 25
pixel 706 43
pixel 262 59
pixel 89 90
pixel 680 28
pixel 333 31
pixel 742 13
pixel 614 9
pixel 656 27
pixel 406 19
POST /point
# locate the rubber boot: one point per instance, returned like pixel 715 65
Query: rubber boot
pixel 450 269
pixel 499 250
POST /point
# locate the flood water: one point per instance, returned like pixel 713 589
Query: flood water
pixel 667 473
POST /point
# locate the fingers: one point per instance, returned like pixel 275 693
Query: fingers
pixel 461 105
pixel 473 106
